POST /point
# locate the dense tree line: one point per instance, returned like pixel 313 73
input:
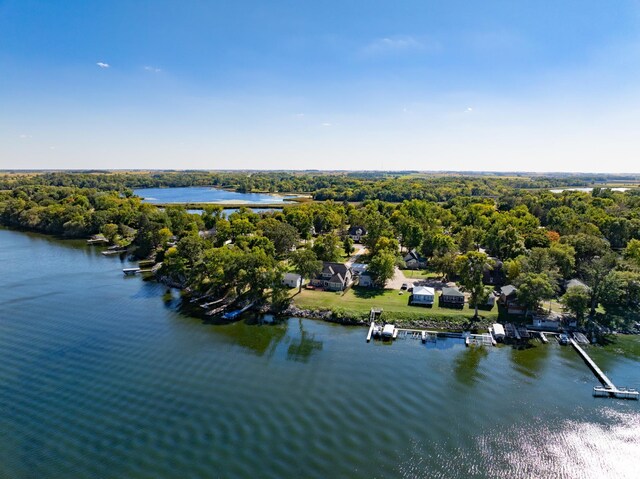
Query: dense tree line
pixel 336 186
pixel 539 238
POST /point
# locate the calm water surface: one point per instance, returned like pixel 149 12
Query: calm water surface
pixel 204 194
pixel 101 376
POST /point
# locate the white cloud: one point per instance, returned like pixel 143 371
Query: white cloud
pixel 399 43
pixel 326 124
pixel 24 136
pixel 152 69
pixel 103 65
pixel 469 110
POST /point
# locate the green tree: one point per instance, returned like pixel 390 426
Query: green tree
pixel 347 244
pixel 594 272
pixel 382 267
pixel 533 288
pixel 576 301
pixel 468 238
pixel 470 267
pixel 564 256
pixel 306 264
pixel 283 236
pixel 327 247
pixel 110 231
pixel 445 264
pixel 632 251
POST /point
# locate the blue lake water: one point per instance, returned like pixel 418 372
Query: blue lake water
pixel 229 211
pixel 204 194
pixel 102 376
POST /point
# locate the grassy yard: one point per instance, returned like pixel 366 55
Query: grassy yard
pixel 363 299
pixel 420 274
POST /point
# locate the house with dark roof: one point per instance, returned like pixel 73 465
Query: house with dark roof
pixel 509 300
pixel 334 277
pixel 413 260
pixel 494 276
pixel 451 298
pixel 357 232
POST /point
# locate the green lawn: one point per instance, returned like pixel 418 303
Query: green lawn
pixel 363 299
pixel 420 274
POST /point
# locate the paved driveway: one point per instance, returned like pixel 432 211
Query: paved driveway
pixel 359 250
pixel 398 279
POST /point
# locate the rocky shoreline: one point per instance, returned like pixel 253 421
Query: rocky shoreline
pixel 331 317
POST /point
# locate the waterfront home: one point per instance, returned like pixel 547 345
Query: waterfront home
pixel 509 300
pixel 413 260
pixel 357 233
pixel 292 280
pixel 547 323
pixel 423 295
pixel 334 277
pixel 451 298
pixel 366 280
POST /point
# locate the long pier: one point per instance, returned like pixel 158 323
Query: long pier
pixel 609 388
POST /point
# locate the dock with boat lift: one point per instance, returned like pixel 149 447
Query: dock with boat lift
pixel 426 335
pixel 608 389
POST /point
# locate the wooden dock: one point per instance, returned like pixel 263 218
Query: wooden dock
pixel 609 389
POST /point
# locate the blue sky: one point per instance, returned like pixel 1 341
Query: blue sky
pixel 485 85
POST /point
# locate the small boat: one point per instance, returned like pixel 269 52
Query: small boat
pixel 563 339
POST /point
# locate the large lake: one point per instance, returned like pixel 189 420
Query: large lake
pixel 205 194
pixel 101 376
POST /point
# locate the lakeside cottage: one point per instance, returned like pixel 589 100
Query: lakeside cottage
pixel 357 233
pixel 509 300
pixel 292 280
pixel 423 295
pixel 451 298
pixel 334 277
pixel 413 260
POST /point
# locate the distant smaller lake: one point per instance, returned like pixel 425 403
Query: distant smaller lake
pixel 228 211
pixel 586 190
pixel 205 194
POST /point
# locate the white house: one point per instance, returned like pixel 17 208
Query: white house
pixel 423 295
pixel 292 280
pixel 365 280
pixel 549 323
